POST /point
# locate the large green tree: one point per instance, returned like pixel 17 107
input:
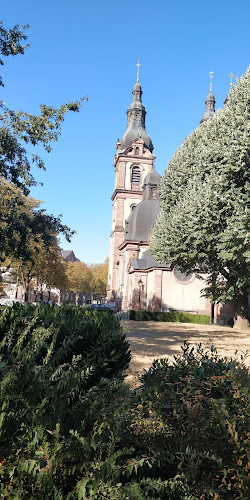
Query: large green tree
pixel 23 221
pixel 204 195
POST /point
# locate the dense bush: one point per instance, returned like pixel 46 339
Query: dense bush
pixel 49 358
pixel 193 417
pixel 172 316
pixel 183 435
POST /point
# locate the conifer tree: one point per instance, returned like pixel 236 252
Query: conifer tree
pixel 204 195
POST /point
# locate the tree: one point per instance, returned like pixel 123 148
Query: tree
pixel 82 278
pixel 100 278
pixel 205 218
pixel 10 42
pixel 16 131
pixel 45 267
pixel 79 278
pixel 24 128
pixel 21 220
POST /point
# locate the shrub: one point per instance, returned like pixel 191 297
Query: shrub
pixel 69 433
pixel 172 316
pixel 50 357
pixel 193 417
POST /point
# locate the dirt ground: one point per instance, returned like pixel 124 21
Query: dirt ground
pixel 151 340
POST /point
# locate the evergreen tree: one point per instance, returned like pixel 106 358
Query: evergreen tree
pixel 205 217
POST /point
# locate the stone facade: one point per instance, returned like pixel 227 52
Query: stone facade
pixel 127 194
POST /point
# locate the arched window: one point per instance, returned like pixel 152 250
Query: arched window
pixel 135 175
pixel 137 151
pixel 132 207
pixel 154 193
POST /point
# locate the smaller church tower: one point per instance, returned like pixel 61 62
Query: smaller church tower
pixel 231 76
pixel 210 103
pixel 133 161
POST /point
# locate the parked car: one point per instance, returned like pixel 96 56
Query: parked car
pixel 113 306
pixel 101 307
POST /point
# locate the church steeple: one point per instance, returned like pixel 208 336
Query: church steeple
pixel 136 114
pixel 210 103
pixel 231 75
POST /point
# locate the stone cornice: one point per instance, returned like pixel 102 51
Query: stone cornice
pixel 138 244
pixel 149 270
pixel 126 192
pixel 118 229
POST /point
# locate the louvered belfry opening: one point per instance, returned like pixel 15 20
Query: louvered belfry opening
pixel 135 176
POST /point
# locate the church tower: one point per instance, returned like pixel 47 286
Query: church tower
pixel 210 103
pixel 133 161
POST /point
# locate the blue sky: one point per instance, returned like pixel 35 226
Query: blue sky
pixel 80 48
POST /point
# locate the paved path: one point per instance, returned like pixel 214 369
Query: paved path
pixel 151 340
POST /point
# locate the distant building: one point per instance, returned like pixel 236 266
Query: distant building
pixel 14 288
pixel 68 255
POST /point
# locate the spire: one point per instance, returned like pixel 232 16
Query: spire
pixel 210 102
pixel 211 76
pixel 231 75
pixel 136 114
pixel 138 67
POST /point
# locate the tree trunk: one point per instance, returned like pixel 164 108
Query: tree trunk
pixel 26 294
pixel 241 315
pixel 212 313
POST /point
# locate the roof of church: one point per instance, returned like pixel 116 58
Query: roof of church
pixel 147 262
pixel 143 217
pixel 141 220
pixel 136 121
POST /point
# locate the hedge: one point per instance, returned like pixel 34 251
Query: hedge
pixel 173 316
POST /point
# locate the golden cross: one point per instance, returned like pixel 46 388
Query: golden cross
pixel 231 75
pixel 138 66
pixel 211 76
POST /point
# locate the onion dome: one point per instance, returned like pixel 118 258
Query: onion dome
pixel 210 107
pixel 136 121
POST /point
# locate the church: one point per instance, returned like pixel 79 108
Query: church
pixel 136 280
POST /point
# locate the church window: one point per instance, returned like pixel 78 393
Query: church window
pixel 137 151
pixel 183 278
pixel 132 207
pixel 135 175
pixel 154 193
